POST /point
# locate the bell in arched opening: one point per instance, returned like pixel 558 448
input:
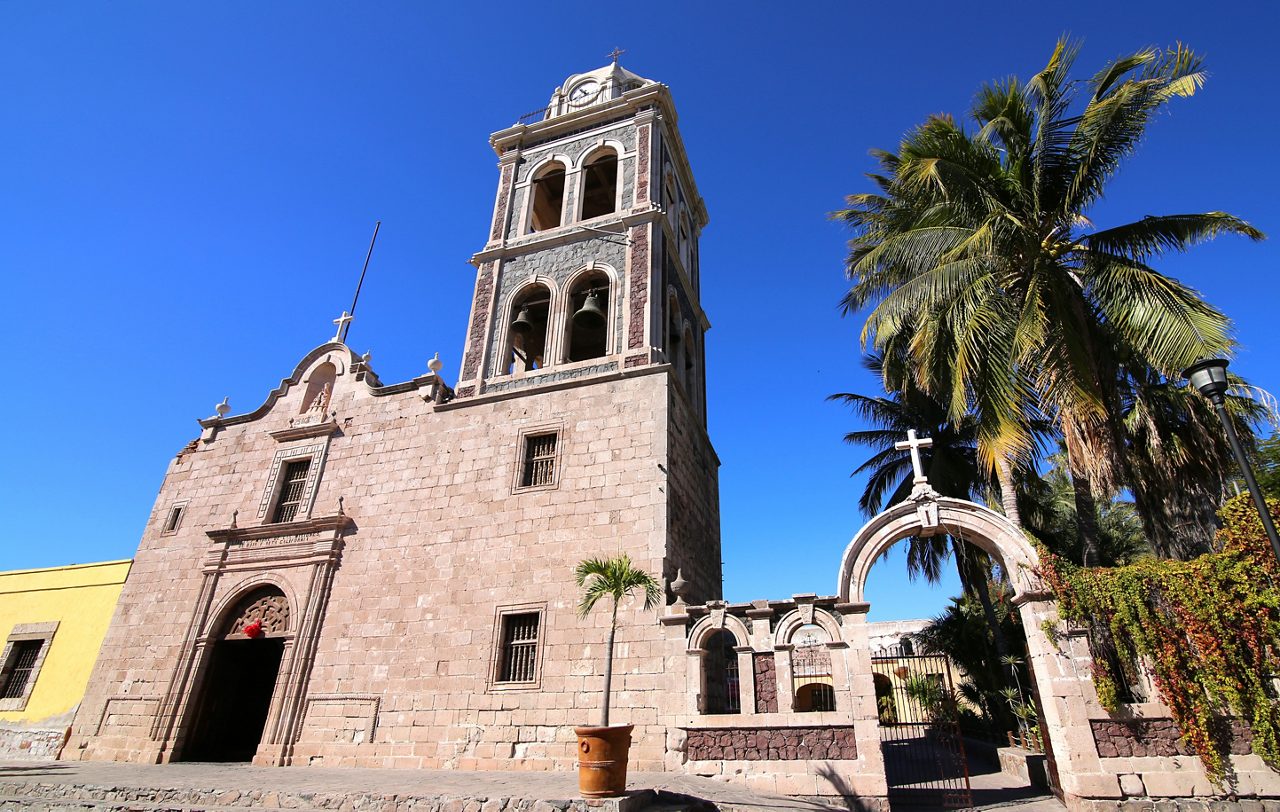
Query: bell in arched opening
pixel 591 315
pixel 523 322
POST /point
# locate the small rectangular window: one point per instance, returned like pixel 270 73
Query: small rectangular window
pixel 293 485
pixel 518 659
pixel 175 519
pixel 539 461
pixel 17 673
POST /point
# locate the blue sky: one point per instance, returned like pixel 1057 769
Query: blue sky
pixel 187 192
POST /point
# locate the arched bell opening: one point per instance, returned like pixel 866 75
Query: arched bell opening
pixel 527 330
pixel 600 185
pixel 547 208
pixel 238 679
pixel 587 327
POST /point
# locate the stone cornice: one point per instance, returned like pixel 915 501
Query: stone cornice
pixel 232 535
pixel 303 432
pixel 548 128
pixel 564 236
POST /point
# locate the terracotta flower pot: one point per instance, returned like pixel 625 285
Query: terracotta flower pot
pixel 602 760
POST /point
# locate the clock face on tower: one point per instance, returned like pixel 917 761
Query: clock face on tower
pixel 584 93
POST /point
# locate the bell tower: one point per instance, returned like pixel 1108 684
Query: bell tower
pixel 590 274
pixel 591 263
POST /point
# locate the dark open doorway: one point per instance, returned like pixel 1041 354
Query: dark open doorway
pixel 234 700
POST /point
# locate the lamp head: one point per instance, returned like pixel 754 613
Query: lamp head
pixel 1209 376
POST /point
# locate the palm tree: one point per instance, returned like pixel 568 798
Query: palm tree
pixel 615 578
pixel 978 247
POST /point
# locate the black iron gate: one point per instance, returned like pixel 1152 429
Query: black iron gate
pixel 924 758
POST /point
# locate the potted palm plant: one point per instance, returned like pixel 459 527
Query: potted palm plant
pixel 602 751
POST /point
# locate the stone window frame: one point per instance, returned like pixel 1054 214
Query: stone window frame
pixel 172 525
pixel 495 657
pixel 22 632
pixel 522 450
pixel 271 494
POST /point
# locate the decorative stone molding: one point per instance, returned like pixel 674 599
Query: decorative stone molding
pixel 323 429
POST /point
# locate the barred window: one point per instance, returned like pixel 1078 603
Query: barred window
pixel 519 656
pixel 539 461
pixel 294 483
pixel 20 668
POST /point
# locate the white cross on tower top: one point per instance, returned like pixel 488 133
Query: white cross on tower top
pixel 915 444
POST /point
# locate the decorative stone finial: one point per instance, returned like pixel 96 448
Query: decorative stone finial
pixel 435 364
pixel 223 407
pixel 341 510
pixel 235 514
pixel 680 587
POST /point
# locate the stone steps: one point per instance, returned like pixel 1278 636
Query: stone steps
pixel 37 797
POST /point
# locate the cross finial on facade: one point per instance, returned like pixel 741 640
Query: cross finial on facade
pixel 915 444
pixel 617 52
pixel 341 321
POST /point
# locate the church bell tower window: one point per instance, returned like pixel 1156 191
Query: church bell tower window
pixel 527 331
pixel 548 198
pixel 600 185
pixel 588 325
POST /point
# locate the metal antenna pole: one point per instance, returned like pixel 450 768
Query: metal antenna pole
pixel 342 332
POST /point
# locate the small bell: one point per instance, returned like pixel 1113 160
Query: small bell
pixel 591 314
pixel 522 324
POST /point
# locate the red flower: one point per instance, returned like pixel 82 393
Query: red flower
pixel 253 629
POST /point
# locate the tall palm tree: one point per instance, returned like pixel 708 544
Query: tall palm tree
pixel 614 578
pixel 978 247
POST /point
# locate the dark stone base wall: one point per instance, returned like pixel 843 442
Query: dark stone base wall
pixel 771 744
pixel 1126 738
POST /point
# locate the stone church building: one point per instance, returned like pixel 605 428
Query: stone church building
pixel 358 573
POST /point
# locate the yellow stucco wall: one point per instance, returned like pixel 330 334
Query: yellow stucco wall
pixel 81 598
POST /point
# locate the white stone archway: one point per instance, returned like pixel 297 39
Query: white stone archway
pixel 1065 692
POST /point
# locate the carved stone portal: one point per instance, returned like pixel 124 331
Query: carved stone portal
pixel 266 606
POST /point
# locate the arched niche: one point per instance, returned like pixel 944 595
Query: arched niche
pixel 720 667
pixel 319 390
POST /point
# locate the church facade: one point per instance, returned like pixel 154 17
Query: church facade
pixel 367 574
pixel 359 573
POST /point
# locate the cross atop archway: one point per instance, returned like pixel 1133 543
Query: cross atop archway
pixel 915 444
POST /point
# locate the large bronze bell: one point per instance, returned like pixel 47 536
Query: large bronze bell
pixel 591 314
pixel 522 324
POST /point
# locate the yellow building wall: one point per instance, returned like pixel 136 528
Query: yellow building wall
pixel 81 597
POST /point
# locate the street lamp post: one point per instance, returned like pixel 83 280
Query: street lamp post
pixel 1210 377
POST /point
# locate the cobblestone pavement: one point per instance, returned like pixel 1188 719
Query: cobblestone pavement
pixel 294 781
pixel 276 785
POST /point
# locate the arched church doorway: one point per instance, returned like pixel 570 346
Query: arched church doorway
pixel 243 664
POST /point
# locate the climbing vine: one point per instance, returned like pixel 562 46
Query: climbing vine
pixel 1208 628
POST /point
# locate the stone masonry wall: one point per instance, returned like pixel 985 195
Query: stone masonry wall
pixel 766 676
pixel 1123 738
pixel 559 263
pixel 441 542
pixel 771 744
pixel 694 508
pixel 575 149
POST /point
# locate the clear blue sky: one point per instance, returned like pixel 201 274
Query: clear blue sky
pixel 187 192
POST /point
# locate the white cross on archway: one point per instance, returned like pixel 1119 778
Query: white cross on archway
pixel 915 444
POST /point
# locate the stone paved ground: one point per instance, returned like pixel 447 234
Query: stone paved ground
pixel 382 789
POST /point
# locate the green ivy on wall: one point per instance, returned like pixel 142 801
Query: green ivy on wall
pixel 1208 628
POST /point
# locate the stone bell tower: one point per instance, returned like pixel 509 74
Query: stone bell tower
pixel 591 272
